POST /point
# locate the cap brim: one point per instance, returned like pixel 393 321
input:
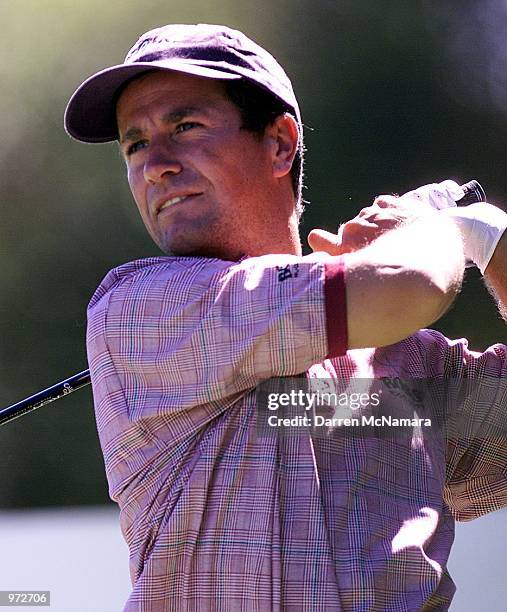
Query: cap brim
pixel 90 115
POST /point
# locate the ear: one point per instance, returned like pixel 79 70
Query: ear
pixel 284 143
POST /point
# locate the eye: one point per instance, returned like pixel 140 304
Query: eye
pixel 135 146
pixel 185 126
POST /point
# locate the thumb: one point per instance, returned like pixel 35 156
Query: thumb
pixel 321 240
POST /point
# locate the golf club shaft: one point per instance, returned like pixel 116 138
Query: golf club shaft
pixel 61 389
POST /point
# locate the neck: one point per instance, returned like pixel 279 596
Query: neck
pixel 284 240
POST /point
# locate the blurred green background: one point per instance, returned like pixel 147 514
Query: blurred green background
pixel 394 94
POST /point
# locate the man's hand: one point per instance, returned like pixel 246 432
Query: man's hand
pixel 386 213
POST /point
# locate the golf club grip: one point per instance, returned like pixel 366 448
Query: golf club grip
pixel 473 193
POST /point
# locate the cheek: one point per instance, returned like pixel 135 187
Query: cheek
pixel 241 166
pixel 244 182
pixel 136 187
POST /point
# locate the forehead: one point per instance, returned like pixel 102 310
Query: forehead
pixel 168 87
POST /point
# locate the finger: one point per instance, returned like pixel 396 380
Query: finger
pixel 386 201
pixel 365 212
pixel 357 234
pixel 321 240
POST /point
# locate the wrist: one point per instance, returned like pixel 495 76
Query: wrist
pixel 481 225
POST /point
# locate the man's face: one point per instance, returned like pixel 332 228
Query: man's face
pixel 201 183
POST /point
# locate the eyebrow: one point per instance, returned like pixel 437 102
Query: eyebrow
pixel 175 116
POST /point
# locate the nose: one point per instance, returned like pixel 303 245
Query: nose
pixel 159 163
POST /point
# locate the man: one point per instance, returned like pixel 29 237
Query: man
pixel 217 513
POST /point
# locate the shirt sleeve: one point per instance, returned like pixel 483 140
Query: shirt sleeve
pixel 184 332
pixel 476 427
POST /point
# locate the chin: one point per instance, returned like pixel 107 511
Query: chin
pixel 179 248
pixel 208 241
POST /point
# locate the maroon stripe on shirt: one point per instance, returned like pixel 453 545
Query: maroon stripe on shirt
pixel 336 308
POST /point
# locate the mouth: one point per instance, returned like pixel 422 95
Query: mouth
pixel 176 200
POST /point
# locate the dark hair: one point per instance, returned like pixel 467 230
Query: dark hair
pixel 259 108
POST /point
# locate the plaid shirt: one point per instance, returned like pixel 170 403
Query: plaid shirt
pixel 219 517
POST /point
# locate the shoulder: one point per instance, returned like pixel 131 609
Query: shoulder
pixel 190 274
pixel 150 270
